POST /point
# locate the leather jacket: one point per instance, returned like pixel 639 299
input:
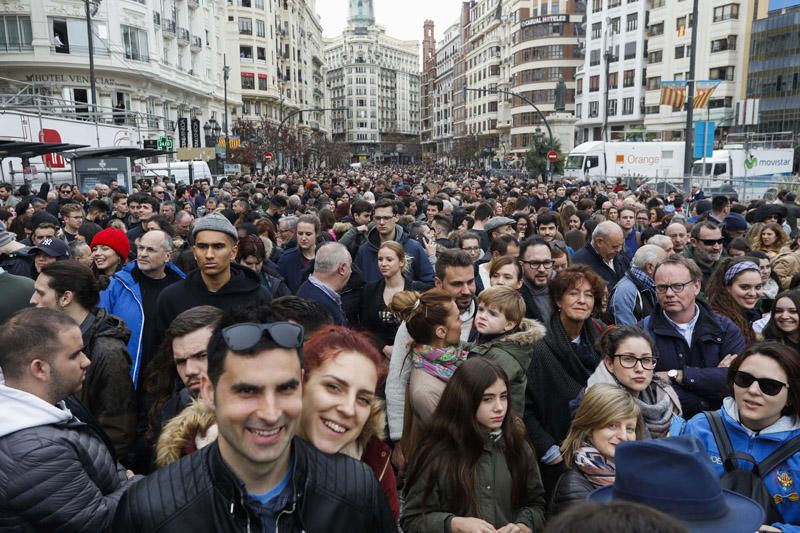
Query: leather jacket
pixel 200 493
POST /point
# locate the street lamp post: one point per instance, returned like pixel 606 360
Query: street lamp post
pixel 226 70
pixel 92 10
pixel 512 93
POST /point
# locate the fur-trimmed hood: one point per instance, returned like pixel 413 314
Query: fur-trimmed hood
pixel 183 432
pixel 528 332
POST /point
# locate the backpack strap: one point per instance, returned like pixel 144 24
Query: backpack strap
pixel 721 437
pixel 783 453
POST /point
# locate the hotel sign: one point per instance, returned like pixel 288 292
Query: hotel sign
pixel 546 19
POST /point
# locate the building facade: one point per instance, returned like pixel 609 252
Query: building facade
pixel 428 91
pixel 444 93
pixel 774 71
pixel 374 79
pixel 155 65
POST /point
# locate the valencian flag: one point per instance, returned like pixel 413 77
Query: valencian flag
pixel 673 93
pixel 702 92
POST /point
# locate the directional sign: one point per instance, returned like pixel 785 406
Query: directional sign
pixel 552 156
pixel 165 142
pixel 268 156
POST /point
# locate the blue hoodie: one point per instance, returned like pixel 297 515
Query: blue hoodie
pixel 759 445
pixel 420 268
pixel 123 298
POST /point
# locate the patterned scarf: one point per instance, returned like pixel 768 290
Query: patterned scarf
pixel 594 466
pixel 438 362
pixel 640 276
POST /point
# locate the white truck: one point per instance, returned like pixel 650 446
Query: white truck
pixel 179 170
pixel 600 160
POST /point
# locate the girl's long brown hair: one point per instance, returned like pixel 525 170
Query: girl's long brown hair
pixel 454 442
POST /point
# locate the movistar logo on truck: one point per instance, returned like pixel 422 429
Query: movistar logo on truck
pixel 754 162
pixel 749 164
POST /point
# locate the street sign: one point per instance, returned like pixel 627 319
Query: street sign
pixel 165 142
pixel 232 168
pixel 703 139
pixel 552 156
pixel 268 156
pixel 195 154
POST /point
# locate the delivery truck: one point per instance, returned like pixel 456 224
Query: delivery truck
pixel 600 160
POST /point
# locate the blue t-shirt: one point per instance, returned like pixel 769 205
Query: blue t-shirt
pixel 268 504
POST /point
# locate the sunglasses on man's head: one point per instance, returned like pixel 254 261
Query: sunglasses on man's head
pixel 770 387
pixel 241 337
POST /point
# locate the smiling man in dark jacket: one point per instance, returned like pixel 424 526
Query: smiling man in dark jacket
pixel 257 476
pixel 58 474
pixel 217 281
pixel 604 253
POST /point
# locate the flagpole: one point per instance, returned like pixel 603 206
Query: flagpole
pixel 687 163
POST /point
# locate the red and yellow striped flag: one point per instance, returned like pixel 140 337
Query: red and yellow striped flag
pixel 673 93
pixel 702 93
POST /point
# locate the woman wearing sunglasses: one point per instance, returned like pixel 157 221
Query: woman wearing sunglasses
pixel 762 413
pixel 734 290
pixel 629 361
pixel 341 411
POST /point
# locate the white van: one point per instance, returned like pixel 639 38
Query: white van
pixel 179 170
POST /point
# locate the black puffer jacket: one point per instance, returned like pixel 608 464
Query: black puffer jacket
pixel 56 474
pixel 108 390
pixel 332 493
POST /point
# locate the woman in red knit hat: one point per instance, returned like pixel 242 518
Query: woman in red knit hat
pixel 110 249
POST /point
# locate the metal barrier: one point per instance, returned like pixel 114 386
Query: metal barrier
pixel 741 188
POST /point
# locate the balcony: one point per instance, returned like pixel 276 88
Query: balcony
pixel 156 18
pixel 183 37
pixel 196 43
pixel 168 27
pixel 193 4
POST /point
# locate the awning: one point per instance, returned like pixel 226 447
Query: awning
pixel 134 152
pixel 33 149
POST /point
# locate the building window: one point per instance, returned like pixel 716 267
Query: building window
pixel 628 78
pixel 594 57
pixel 260 28
pixel 614 26
pixel 15 34
pixel 655 29
pixel 630 50
pixel 654 56
pixel 245 26
pixel 721 73
pixel 597 5
pixel 597 30
pixel 653 83
pixel 614 3
pixel 612 80
pixel 631 21
pixel 726 43
pixel 135 42
pixel 627 106
pixel 248 81
pixel 593 109
pixel 612 107
pixel 726 12
pixel 594 84
pixel 579 87
pixel 262 82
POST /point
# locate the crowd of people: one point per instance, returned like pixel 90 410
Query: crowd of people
pixel 397 349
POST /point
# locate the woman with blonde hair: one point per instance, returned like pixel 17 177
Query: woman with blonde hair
pixel 374 313
pixel 771 240
pixel 607 416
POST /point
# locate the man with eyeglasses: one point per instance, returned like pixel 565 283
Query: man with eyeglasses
pixel 536 260
pixel 695 344
pixel 706 249
pixel 257 476
pixel 64 197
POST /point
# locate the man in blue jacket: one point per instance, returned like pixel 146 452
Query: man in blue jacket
pixel 332 269
pixel 695 345
pixel 133 291
pixel 386 229
pixel 604 254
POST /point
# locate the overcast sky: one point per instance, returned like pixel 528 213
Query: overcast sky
pixel 402 19
pixel 775 4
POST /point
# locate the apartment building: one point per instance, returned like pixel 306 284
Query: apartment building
pixel 376 79
pixel 444 94
pixel 427 91
pixel 160 60
pixel 611 84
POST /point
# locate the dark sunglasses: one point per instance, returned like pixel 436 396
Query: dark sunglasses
pixel 770 387
pixel 241 337
pixel 712 242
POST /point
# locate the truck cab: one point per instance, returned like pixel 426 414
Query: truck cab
pixel 587 159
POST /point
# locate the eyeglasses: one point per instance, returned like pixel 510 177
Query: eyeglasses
pixel 712 242
pixel 677 288
pixel 241 337
pixel 628 360
pixel 536 265
pixel 770 387
pixel 65 191
pixel 472 249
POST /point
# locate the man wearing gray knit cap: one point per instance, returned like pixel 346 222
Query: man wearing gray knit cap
pixel 14 256
pixel 217 281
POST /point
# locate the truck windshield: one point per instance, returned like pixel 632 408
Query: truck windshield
pixel 697 169
pixel 574 162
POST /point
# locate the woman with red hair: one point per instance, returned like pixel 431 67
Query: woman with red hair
pixel 341 411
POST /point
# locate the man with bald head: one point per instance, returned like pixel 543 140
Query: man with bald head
pixel 604 253
pixel 677 232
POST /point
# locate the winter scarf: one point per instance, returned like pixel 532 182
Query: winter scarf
pixel 438 362
pixel 639 275
pixel 658 402
pixel 599 471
